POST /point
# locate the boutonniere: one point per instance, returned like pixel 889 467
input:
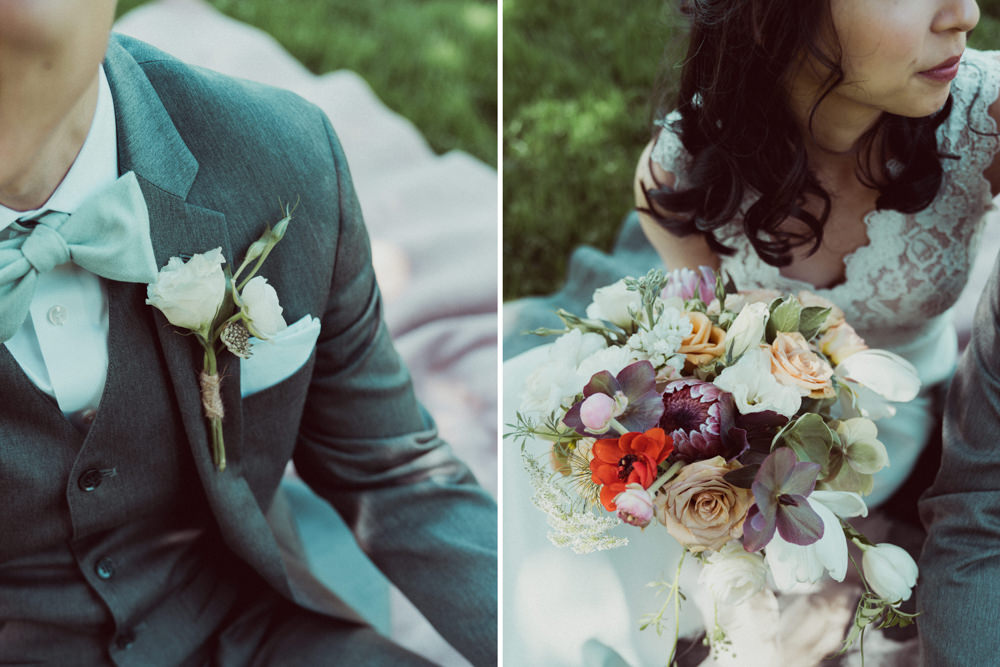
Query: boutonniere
pixel 222 309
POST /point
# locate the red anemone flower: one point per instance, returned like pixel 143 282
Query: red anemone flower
pixel 632 458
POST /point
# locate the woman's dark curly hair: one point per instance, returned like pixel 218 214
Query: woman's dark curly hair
pixel 737 125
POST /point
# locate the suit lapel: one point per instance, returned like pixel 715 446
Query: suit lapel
pixel 149 145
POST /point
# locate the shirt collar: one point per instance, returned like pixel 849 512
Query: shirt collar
pixel 95 166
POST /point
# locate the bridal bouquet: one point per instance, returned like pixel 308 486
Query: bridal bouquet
pixel 743 423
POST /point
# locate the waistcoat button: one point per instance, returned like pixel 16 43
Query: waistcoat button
pixel 105 568
pixel 125 640
pixel 90 479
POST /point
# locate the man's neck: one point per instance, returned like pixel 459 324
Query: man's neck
pixel 32 186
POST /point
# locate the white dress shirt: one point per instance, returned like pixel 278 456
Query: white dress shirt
pixel 63 344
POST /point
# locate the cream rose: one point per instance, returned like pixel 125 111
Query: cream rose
pixel 840 342
pixel 615 303
pixel 700 509
pixel 793 364
pixel 706 342
pixel 189 293
pixel 261 307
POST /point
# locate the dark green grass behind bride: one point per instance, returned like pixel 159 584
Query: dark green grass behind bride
pixel 577 103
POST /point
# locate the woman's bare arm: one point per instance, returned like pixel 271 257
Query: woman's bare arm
pixel 676 251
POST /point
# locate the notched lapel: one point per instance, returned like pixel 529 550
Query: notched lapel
pixel 149 145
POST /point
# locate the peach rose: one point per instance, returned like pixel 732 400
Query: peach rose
pixel 840 342
pixel 836 315
pixel 706 342
pixel 793 364
pixel 700 509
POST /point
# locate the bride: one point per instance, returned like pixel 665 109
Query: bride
pixel 844 147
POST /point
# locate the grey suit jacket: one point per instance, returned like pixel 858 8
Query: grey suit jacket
pixel 958 592
pixel 214 156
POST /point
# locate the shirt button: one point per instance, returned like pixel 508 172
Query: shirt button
pixel 105 568
pixel 57 315
pixel 90 479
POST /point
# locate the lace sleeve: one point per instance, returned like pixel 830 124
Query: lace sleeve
pixel 969 131
pixel 668 151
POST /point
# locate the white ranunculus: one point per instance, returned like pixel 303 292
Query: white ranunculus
pixel 612 303
pixel 887 374
pixel 747 330
pixel 261 307
pixel 189 293
pixel 611 359
pixel 554 383
pixel 753 387
pixel 733 574
pixel 792 563
pixel 890 571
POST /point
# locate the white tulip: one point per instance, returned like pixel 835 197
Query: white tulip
pixel 746 331
pixel 189 293
pixel 886 373
pixel 792 563
pixel 890 571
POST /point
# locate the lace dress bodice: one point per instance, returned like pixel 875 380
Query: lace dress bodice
pixel 900 285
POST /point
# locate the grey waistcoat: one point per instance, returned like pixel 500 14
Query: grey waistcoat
pixel 108 552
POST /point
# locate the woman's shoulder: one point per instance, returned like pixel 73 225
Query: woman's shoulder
pixel 974 95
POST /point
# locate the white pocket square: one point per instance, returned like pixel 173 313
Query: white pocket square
pixel 278 358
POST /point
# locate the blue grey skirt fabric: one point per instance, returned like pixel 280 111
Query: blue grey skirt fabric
pixel 589 269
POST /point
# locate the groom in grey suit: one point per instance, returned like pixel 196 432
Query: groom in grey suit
pixel 959 586
pixel 120 541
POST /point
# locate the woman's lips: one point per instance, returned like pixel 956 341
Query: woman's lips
pixel 946 71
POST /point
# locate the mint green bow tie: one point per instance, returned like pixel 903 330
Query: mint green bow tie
pixel 107 235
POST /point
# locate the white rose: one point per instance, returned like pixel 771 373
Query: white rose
pixel 746 331
pixel 734 575
pixel 189 293
pixel 260 305
pixel 890 571
pixel 612 303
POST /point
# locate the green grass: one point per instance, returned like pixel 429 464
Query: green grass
pixel 433 61
pixel 577 98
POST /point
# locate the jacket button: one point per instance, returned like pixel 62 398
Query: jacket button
pixel 105 568
pixel 90 479
pixel 125 640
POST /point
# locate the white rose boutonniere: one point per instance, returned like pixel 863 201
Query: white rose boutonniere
pixel 201 296
pixel 189 293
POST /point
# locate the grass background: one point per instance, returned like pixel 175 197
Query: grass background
pixel 433 61
pixel 577 102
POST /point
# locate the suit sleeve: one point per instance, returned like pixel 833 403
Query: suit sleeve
pixel 369 448
pixel 959 587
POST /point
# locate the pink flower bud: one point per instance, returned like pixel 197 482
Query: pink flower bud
pixel 597 411
pixel 635 506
